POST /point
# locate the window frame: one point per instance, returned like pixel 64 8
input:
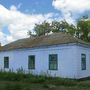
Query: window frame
pixel 83 61
pixel 31 66
pixel 53 62
pixel 6 62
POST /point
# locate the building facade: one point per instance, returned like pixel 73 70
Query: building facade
pixel 67 60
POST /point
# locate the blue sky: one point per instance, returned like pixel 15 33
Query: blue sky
pixel 19 16
pixel 32 6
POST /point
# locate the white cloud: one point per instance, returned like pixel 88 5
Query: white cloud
pixel 13 8
pixel 18 23
pixel 2 37
pixel 70 8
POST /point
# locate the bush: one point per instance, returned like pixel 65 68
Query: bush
pixel 11 76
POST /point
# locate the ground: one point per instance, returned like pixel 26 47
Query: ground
pixel 12 81
pixel 15 85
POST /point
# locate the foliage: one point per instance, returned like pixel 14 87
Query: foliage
pixel 8 81
pixel 62 26
pixel 81 30
pixel 41 29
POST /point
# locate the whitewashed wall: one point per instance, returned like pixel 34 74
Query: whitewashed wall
pixel 69 60
pixel 83 73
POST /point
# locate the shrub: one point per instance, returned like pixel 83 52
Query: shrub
pixel 11 76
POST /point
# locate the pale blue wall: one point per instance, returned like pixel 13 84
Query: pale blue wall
pixel 69 60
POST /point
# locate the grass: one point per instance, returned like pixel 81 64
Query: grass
pixel 20 81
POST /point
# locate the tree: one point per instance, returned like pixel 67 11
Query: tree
pixel 41 29
pixel 63 26
pixel 83 29
pixel 45 28
pixel 55 26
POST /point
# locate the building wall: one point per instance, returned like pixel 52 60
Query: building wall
pixel 83 73
pixel 68 60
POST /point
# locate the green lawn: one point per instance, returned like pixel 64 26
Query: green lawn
pixel 12 81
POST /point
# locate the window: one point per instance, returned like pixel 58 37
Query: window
pixel 53 62
pixel 31 62
pixel 6 62
pixel 83 61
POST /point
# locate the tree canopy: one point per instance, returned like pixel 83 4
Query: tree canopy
pixel 81 30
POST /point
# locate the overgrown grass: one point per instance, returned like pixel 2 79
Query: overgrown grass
pixel 21 81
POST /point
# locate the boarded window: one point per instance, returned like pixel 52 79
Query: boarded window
pixel 83 61
pixel 31 62
pixel 6 62
pixel 53 62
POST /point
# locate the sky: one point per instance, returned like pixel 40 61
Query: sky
pixel 17 17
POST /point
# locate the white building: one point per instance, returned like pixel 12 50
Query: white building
pixel 58 54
